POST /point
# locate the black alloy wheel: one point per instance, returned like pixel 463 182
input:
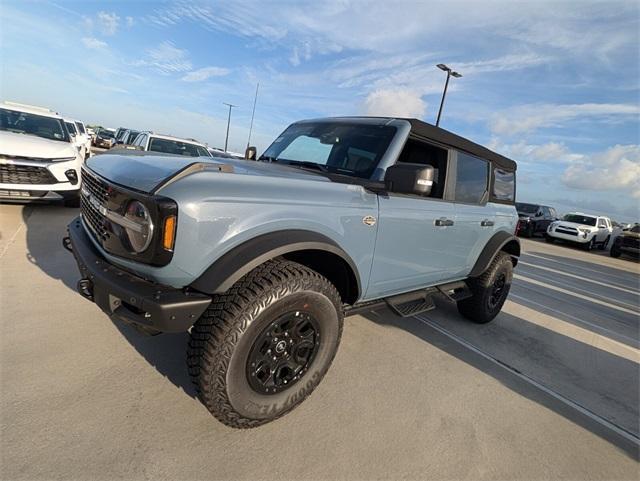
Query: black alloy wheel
pixel 498 291
pixel 282 354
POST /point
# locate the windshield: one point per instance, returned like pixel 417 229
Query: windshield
pixel 71 128
pixel 526 208
pixel 105 134
pixel 80 127
pixel 32 124
pixel 176 147
pixel 635 228
pixel 343 148
pixel 580 219
pixel 131 137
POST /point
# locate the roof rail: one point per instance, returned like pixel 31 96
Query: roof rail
pixel 36 107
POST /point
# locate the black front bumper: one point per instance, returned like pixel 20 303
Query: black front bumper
pixel 127 297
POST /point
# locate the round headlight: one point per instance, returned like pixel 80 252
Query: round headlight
pixel 140 229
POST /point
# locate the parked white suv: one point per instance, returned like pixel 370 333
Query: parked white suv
pixel 167 144
pixel 76 138
pixel 587 230
pixel 38 160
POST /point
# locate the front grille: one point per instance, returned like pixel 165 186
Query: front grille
pixel 92 216
pixel 628 241
pixel 25 174
pixel 22 193
pixel 566 231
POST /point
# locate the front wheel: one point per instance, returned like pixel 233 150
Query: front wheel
pixel 549 239
pixel 489 290
pixel 264 346
pixel 588 246
pixel 615 251
pixel 604 244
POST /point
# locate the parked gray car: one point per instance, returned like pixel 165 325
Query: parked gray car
pixel 261 260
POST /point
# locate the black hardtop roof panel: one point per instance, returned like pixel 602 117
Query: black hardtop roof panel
pixel 428 131
pixel 437 134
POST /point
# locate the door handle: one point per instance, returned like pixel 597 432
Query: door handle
pixel 487 223
pixel 443 222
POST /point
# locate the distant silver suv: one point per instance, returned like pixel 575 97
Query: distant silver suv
pixel 262 260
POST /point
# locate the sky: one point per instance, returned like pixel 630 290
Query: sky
pixel 553 85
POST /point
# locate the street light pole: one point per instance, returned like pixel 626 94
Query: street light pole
pixel 450 73
pixel 255 100
pixel 226 140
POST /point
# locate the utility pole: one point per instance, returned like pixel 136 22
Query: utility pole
pixel 255 100
pixel 450 73
pixel 226 140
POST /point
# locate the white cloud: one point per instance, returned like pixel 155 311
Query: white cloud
pixel 205 73
pixel 395 103
pixel 129 21
pixel 108 22
pixel 550 152
pixel 94 43
pixel 528 118
pixel 166 58
pixel 617 168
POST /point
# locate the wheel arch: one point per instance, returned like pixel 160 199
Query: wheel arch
pixel 312 249
pixel 500 242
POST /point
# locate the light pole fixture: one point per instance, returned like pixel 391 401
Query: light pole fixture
pixel 226 140
pixel 450 73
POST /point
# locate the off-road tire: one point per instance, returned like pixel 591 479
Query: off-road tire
pixel 221 341
pixel 614 251
pixel 478 308
pixel 603 245
pixel 549 239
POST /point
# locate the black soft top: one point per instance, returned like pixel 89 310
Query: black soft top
pixel 428 131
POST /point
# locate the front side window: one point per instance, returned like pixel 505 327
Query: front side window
pixel 580 219
pixel 71 128
pixel 504 185
pixel 471 179
pixel 343 148
pixel 80 127
pixel 176 147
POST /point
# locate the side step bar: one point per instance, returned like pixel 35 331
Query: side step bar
pixel 415 302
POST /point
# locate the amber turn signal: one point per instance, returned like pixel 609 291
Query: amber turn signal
pixel 169 233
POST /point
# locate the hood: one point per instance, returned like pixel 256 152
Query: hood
pixel 575 225
pixel 13 144
pixel 144 171
pixel 632 235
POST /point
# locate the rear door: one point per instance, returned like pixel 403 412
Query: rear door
pixel 475 219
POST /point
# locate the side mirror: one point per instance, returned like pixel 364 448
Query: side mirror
pixel 410 179
pixel 251 153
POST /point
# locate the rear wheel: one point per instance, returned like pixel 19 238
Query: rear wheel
pixel 266 344
pixel 549 239
pixel 489 290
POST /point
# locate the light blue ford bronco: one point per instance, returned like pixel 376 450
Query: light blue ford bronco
pixel 261 260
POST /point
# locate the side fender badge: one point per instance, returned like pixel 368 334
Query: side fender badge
pixel 369 220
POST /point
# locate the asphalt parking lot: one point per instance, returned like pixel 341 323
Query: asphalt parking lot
pixel 549 390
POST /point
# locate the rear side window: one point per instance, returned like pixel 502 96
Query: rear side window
pixel 504 185
pixel 471 179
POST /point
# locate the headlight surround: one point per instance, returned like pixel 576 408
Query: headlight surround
pixel 584 230
pixel 138 226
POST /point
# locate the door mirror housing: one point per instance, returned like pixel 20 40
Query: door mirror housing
pixel 414 179
pixel 251 153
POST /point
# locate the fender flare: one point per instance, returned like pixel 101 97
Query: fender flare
pixel 242 259
pixel 500 241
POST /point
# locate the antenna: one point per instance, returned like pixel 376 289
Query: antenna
pixel 255 100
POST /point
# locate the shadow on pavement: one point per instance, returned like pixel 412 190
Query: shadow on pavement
pixel 45 227
pixel 165 352
pixel 508 376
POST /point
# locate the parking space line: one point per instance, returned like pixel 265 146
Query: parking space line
pixel 604 284
pixel 572 331
pixel 559 397
pixel 575 294
pixel 581 321
pixel 573 266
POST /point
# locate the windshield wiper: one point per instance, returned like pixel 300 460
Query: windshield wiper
pixel 308 165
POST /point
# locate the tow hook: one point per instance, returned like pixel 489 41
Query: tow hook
pixel 85 288
pixel 66 243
